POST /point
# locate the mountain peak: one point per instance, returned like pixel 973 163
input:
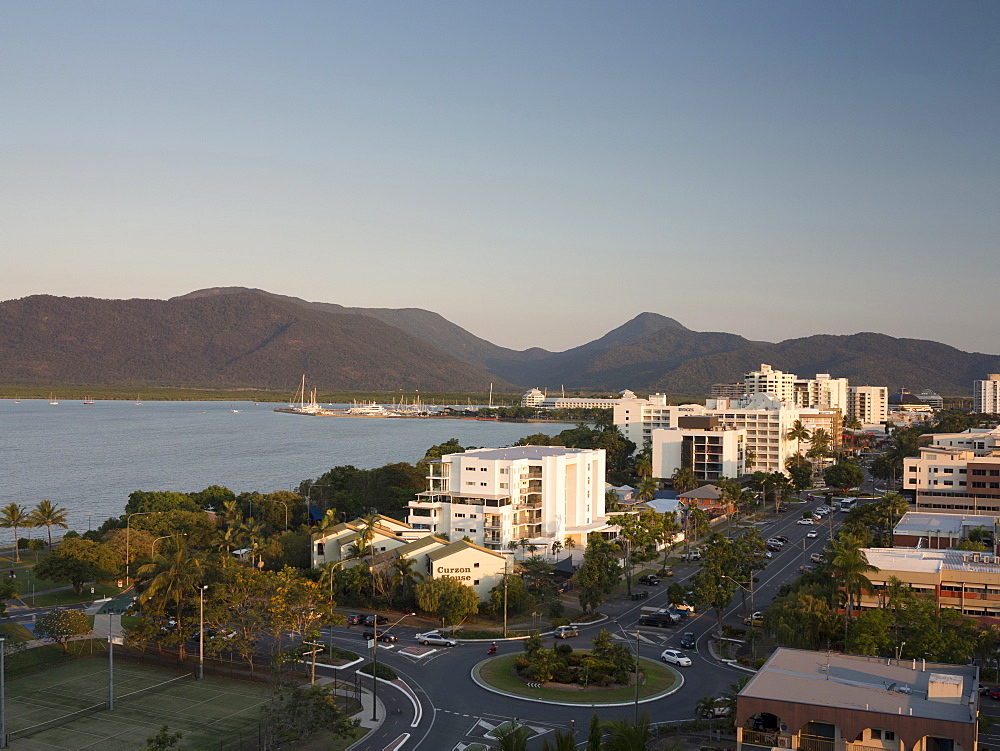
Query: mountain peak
pixel 632 331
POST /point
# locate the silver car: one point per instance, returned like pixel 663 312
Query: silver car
pixel 435 637
pixel 676 658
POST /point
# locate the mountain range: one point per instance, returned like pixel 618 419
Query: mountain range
pixel 234 337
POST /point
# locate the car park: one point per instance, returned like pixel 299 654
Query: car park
pixel 675 658
pixel 435 637
pixel 386 637
pixel 650 580
pixel 565 632
pixel 806 522
pixel 688 641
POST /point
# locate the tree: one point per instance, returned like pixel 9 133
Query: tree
pixel 798 433
pixel 595 734
pixel 511 736
pixel 448 599
pixel 45 514
pixel 9 589
pixel 404 579
pixel 623 735
pixel 295 713
pixel 163 739
pixel 561 740
pixel 171 579
pixel 647 489
pixel 598 574
pixel 844 476
pixel 850 567
pixel 13 516
pixel 62 625
pixel 683 479
pixel 77 561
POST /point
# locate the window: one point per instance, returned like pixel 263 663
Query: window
pixel 482 469
pixel 459 516
pixel 503 485
pixel 475 582
pixel 475 565
pixel 483 484
pixel 320 548
pixel 471 482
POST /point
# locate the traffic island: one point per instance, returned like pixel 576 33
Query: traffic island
pixel 498 674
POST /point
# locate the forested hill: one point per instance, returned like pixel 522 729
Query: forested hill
pixel 233 337
pixel 246 340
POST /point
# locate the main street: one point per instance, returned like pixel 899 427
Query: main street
pixel 455 711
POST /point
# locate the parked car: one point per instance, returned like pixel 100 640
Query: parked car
pixel 774 548
pixel 694 555
pixel 995 693
pixel 782 538
pixel 650 580
pixel 355 619
pixel 386 637
pixel 688 641
pixel 816 558
pixel 722 708
pixel 657 620
pixel 775 541
pixel 436 637
pixel 675 658
pixel 667 571
pixel 371 620
pixel 565 632
pixel 756 619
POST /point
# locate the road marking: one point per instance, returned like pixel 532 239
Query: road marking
pixel 398 743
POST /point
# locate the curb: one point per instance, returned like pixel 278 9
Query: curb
pixel 662 695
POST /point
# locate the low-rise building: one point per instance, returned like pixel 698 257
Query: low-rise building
pixel 709 499
pixel 532 398
pixel 965 581
pixel 823 701
pixel 941 531
pixel 955 480
pixel 344 540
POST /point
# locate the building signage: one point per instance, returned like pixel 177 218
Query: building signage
pixel 455 573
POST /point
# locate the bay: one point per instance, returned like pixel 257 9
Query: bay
pixel 88 458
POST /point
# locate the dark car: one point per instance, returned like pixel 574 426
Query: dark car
pixel 773 549
pixel 995 693
pixel 782 538
pixel 688 640
pixel 355 619
pixel 657 620
pixel 649 580
pixel 383 636
pixel 371 620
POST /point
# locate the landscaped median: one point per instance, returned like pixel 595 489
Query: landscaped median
pixel 498 675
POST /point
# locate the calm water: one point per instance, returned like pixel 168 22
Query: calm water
pixel 88 458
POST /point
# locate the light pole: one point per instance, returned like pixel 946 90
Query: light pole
pixel 3 706
pixel 375 662
pixel 152 545
pixel 635 716
pixel 128 531
pixel 201 631
pixel 275 500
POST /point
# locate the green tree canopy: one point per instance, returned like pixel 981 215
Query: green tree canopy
pixel 447 599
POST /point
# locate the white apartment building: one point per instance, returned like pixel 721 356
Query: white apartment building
pixel 869 405
pixel 532 398
pixel 822 392
pixel 765 419
pixel 496 496
pixel 981 441
pixel 767 380
pixel 709 452
pixel 954 480
pixel 986 395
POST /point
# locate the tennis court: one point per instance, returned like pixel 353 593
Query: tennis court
pixel 73 697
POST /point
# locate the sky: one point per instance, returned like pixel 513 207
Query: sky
pixel 536 172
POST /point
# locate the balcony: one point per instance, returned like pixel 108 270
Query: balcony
pixel 533 475
pixel 765 739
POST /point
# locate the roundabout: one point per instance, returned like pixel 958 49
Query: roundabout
pixel 497 675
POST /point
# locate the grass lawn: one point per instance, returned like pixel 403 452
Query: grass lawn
pixel 69 597
pixel 15 632
pixel 499 673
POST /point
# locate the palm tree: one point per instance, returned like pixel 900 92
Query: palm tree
pixel 512 737
pixel 647 489
pixel 622 735
pixel 561 740
pixel 797 433
pixel 172 578
pixel 644 465
pixel 328 522
pixel 850 567
pixel 45 514
pixel 404 578
pixel 683 479
pixel 749 459
pixel 13 516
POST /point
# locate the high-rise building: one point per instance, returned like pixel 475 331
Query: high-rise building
pixel 987 395
pixel 767 380
pixel 869 405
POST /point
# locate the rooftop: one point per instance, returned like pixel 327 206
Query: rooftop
pixel 863 683
pixel 520 452
pixel 931 561
pixel 920 523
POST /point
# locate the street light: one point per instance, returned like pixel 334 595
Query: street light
pixel 152 545
pixel 275 500
pixel 201 631
pixel 375 661
pixel 3 706
pixel 753 642
pixel 635 718
pixel 128 530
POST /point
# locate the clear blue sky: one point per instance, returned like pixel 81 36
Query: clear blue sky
pixel 537 172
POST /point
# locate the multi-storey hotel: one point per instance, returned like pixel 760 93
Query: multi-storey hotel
pixel 498 496
pixel 958 473
pixel 986 395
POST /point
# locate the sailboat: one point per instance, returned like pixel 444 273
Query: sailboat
pixel 89 400
pixel 52 399
pixel 137 402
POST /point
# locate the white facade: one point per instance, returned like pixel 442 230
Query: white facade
pixel 765 419
pixel 954 480
pixel 986 395
pixel 585 402
pixel 532 398
pixel 710 454
pixel 869 405
pixel 767 380
pixel 822 392
pixel 496 496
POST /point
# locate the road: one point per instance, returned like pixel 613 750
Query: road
pixel 457 712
